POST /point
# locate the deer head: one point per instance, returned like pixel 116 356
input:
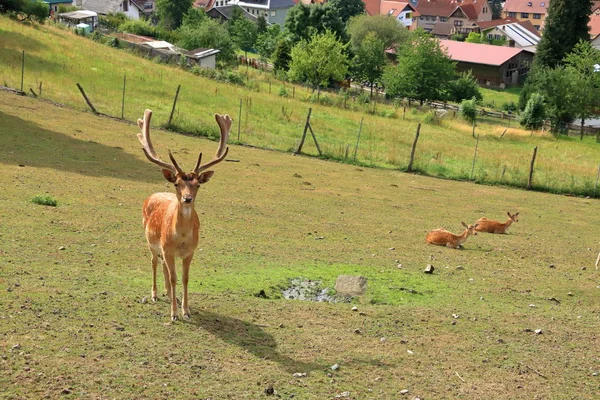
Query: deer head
pixel 513 217
pixel 470 228
pixel 186 183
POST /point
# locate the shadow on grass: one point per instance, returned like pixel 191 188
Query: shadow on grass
pixel 250 337
pixel 27 144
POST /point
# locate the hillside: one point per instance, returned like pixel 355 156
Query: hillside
pixel 58 59
pixel 75 321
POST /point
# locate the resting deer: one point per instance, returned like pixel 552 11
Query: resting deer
pixel 489 226
pixel 443 237
pixel 170 220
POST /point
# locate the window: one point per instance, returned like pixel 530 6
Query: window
pixel 490 36
pixel 537 16
pixel 524 15
pixel 273 13
pixel 147 6
pixel 458 22
pixel 537 27
pixel 443 19
pixel 512 14
pixel 125 6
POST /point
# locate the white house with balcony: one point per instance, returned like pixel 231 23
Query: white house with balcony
pixel 402 11
pixel 103 7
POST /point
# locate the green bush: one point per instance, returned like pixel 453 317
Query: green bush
pixel 45 200
pixel 139 27
pixel 511 106
pixel 468 109
pixel 112 21
pixel 283 92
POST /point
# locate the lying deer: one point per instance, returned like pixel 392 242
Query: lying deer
pixel 489 226
pixel 443 237
pixel 170 220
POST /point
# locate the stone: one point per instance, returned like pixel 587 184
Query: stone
pixel 354 308
pixel 335 367
pixel 350 285
pixel 299 374
pixel 404 391
pixel 429 269
pixel 538 331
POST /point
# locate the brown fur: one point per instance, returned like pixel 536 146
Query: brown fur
pixel 442 237
pixel 490 226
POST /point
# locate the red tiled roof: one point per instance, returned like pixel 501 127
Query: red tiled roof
pixel 476 53
pixel 372 7
pixel 444 8
pixel 536 7
pixel 393 7
pixel 594 25
pixel 205 4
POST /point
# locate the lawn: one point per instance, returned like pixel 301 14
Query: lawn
pixel 58 59
pixel 74 279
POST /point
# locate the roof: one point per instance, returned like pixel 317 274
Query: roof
pixel 442 29
pixel 444 8
pixel 204 4
pixel 105 6
pixel 393 7
pixel 201 53
pixel 226 12
pixel 520 35
pixel 594 24
pixel 476 53
pixel 79 14
pixel 69 2
pixel 264 4
pixel 527 6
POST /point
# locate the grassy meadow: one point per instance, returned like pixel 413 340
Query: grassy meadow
pixel 74 279
pixel 58 60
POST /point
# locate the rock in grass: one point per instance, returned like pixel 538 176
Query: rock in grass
pixel 299 374
pixel 335 367
pixel 429 269
pixel 348 285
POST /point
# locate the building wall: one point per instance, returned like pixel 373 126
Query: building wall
pixel 537 19
pixel 512 72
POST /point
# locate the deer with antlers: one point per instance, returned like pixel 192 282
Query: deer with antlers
pixel 490 226
pixel 170 220
pixel 442 237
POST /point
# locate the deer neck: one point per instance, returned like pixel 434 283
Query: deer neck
pixel 184 214
pixel 507 223
pixel 462 238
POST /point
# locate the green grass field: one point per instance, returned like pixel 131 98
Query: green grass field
pixel 58 60
pixel 73 278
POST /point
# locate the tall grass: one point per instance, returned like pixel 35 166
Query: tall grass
pixel 59 59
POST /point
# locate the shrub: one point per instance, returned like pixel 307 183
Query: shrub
pixel 283 92
pixel 45 200
pixel 139 27
pixel 533 115
pixel 468 109
pixel 511 106
pixel 112 21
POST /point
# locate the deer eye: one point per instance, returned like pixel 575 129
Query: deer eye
pixel 176 184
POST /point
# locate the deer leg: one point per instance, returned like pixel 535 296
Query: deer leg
pixel 154 262
pixel 170 262
pixel 185 309
pixel 167 279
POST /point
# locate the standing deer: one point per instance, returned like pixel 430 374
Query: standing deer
pixel 489 226
pixel 170 220
pixel 443 237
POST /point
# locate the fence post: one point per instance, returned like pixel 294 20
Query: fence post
pixel 123 101
pixel 358 138
pixel 22 69
pixel 299 149
pixel 174 104
pixel 474 157
pixel 89 103
pixel 412 151
pixel 529 181
pixel 597 176
pixel 240 120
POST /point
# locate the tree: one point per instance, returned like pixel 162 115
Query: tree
pixel 26 10
pixel 244 33
pixel 303 21
pixel 423 72
pixel 319 61
pixel 369 60
pixel 267 41
pixel 171 12
pixel 348 8
pixel 282 54
pixel 465 87
pixel 261 24
pixel 582 60
pixel 566 25
pixel 533 116
pixel 209 34
pixel 559 86
pixel 468 110
pixel 474 37
pixel 496 6
pixel 385 27
pixel 194 17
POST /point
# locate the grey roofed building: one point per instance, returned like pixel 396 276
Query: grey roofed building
pixel 274 11
pixel 224 13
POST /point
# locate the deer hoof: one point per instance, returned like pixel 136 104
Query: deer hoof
pixel 186 316
pixel 174 318
pixel 154 299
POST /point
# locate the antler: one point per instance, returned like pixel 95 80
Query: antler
pixel 224 122
pixel 144 138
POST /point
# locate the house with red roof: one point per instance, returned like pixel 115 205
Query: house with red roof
pixel 594 25
pixel 443 18
pixel 534 11
pixel 402 11
pixel 495 66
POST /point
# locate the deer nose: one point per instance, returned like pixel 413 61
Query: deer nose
pixel 187 199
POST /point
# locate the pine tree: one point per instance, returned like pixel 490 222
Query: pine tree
pixel 565 26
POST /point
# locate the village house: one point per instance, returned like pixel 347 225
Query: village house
pixel 494 66
pixel 444 18
pixel 403 11
pixel 274 11
pixel 534 11
pixel 103 7
pixel 511 33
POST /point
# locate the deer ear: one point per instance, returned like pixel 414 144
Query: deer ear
pixel 205 176
pixel 465 225
pixel 169 175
